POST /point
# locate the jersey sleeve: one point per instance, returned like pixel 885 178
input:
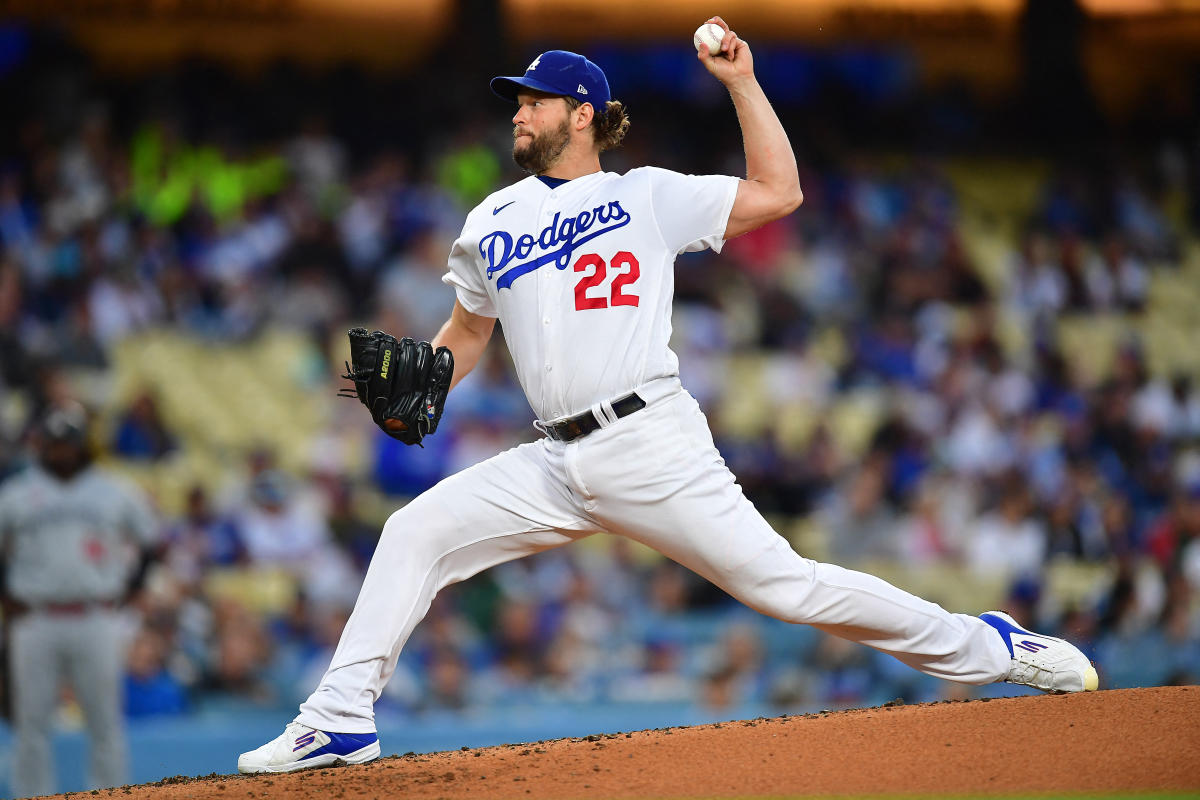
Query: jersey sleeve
pixel 139 520
pixel 692 211
pixel 464 275
pixel 6 505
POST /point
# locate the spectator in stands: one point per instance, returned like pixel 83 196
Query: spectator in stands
pixel 238 655
pixel 120 303
pixel 307 299
pixel 491 394
pixel 1171 408
pixel 278 529
pixel 735 674
pixel 1037 284
pixel 1115 278
pixel 959 281
pixel 317 159
pixel 1008 541
pixel 407 471
pixel 449 685
pixel 141 433
pixel 519 648
pixel 926 535
pixel 352 533
pixel 1180 632
pixel 411 287
pixel 1068 531
pixel 150 689
pixel 860 521
pixel 1070 262
pixel 283 526
pixel 658 676
pixel 571 672
pixel 1116 521
pixel 845 673
pixel 1021 601
pixel 978 443
pixel 1142 219
pixel 1174 539
pixel 201 539
pixel 1132 650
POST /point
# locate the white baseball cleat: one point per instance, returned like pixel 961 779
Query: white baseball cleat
pixel 1043 662
pixel 302 747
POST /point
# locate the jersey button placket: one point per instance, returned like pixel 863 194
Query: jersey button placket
pixel 549 296
pixel 545 289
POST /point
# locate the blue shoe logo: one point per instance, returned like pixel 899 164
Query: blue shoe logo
pixel 305 740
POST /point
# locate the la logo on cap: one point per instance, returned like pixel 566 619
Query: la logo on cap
pixel 533 66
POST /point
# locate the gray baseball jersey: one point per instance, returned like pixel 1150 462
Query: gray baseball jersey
pixel 71 541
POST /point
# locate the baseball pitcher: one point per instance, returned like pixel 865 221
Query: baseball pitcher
pixel 578 265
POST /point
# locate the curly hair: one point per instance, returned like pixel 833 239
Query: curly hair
pixel 608 126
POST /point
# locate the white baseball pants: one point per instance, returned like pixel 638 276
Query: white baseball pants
pixel 655 477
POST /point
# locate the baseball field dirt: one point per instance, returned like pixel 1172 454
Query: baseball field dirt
pixel 1123 741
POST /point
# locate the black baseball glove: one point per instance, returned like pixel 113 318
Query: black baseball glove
pixel 402 383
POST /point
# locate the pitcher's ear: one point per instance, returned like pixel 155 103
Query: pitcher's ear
pixel 584 116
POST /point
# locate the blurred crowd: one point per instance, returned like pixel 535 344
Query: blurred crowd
pixel 995 457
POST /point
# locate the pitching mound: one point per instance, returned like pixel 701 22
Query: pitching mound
pixel 1127 740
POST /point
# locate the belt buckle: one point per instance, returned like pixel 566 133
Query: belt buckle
pixel 566 431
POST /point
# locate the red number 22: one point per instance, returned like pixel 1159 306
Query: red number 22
pixel 595 277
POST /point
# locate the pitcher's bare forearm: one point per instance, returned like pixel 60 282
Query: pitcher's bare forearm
pixel 466 335
pixel 770 162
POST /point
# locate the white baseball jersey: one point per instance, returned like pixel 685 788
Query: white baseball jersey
pixel 581 276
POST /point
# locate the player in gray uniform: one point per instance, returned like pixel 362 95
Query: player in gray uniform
pixel 73 538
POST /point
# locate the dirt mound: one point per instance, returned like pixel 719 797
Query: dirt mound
pixel 1134 739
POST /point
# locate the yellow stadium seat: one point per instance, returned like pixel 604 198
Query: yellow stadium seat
pixel 744 408
pixel 854 420
pixel 1077 584
pixel 950 586
pixel 265 591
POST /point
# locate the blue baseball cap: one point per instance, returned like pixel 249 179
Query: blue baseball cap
pixel 559 72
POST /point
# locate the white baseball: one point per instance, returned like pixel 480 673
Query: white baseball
pixel 709 35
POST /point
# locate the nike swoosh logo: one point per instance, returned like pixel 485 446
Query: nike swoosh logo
pixel 498 209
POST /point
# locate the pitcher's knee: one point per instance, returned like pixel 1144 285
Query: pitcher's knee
pixel 780 586
pixel 417 535
pixel 786 609
pixel 788 612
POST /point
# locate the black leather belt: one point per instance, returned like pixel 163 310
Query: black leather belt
pixel 579 425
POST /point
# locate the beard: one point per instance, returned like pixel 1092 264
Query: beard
pixel 541 151
pixel 64 462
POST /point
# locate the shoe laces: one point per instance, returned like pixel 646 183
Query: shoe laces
pixel 1030 674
